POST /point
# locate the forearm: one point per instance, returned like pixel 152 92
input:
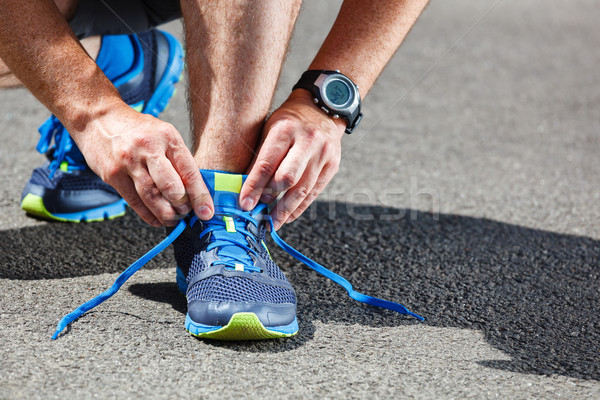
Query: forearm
pixel 38 46
pixel 362 40
pixel 365 36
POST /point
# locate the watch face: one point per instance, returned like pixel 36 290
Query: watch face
pixel 338 92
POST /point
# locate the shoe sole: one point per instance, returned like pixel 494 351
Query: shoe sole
pixel 241 326
pixel 34 205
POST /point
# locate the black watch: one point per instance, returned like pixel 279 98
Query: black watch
pixel 334 93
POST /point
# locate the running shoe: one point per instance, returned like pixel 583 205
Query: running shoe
pixel 65 188
pixel 234 289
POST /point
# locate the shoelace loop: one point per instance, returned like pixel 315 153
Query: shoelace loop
pixel 133 268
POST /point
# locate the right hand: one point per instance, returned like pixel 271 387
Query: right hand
pixel 148 163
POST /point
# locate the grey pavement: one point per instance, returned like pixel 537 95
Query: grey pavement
pixel 471 194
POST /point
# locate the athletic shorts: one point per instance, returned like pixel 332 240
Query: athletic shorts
pixel 116 17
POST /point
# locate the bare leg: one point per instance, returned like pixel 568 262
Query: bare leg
pixel 234 54
pixel 91 45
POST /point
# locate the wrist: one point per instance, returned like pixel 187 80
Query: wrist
pixel 304 97
pixel 81 96
pixel 84 116
pixel 334 94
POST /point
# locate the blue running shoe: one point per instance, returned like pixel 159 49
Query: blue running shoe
pixel 234 289
pixel 65 188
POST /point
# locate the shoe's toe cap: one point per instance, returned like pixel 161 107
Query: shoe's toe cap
pixel 213 313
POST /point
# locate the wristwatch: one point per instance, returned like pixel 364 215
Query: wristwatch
pixel 334 93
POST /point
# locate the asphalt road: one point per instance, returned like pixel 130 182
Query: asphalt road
pixel 471 194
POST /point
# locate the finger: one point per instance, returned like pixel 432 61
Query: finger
pixel 169 183
pixel 197 192
pixel 326 175
pixel 153 198
pixel 295 196
pixel 124 185
pixel 270 155
pixel 288 175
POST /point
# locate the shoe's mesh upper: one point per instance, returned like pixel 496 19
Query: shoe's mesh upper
pixel 74 182
pixel 197 265
pixel 273 270
pixel 233 289
pixel 68 181
pixel 40 176
pixel 143 91
pixel 237 289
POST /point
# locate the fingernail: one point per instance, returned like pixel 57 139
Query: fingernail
pixel 247 203
pixel 277 225
pixel 204 212
pixel 156 223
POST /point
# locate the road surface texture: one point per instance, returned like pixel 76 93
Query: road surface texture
pixel 470 193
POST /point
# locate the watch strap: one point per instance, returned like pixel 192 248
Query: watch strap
pixel 308 78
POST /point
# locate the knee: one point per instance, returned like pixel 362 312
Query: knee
pixel 67 8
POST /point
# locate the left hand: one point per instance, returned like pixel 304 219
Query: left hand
pixel 300 153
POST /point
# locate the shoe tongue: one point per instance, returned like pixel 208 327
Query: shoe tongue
pixel 224 187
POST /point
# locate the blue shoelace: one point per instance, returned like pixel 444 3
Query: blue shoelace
pixel 228 235
pixel 214 227
pixel 54 129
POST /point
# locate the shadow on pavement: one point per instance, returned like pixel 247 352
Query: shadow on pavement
pixel 534 294
pixel 60 250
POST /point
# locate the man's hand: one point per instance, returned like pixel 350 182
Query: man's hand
pixel 300 154
pixel 143 158
pixel 147 162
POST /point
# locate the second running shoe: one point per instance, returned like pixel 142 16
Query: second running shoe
pixel 144 68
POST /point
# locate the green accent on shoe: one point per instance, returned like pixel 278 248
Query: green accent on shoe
pixel 228 182
pixel 229 224
pixel 64 166
pixel 138 107
pixel 102 218
pixel 243 326
pixel 110 217
pixel 266 248
pixel 34 205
